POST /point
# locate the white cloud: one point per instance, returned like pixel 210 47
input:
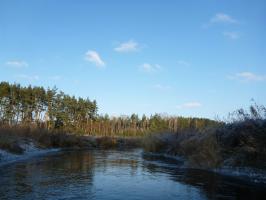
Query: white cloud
pixel 128 46
pixel 220 18
pixel 149 68
pixel 223 18
pixel 232 35
pixel 162 87
pixel 183 63
pixel 248 76
pixel 27 77
pixel 17 63
pixel 94 57
pixel 189 105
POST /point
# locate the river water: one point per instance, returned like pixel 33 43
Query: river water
pixel 124 175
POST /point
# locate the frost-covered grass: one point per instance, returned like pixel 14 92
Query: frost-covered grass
pixel 13 140
pixel 239 143
pixel 29 150
pixel 20 142
pixel 245 173
pixel 17 143
pixel 10 142
pixel 199 149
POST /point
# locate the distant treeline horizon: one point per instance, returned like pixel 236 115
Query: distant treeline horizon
pixel 53 109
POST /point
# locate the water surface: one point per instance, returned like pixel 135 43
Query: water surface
pixel 116 175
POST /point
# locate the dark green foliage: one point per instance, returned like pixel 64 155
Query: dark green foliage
pixel 54 110
pixel 35 105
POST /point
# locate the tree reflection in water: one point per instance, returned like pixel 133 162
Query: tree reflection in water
pixel 116 175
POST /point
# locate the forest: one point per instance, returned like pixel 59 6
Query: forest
pixel 51 109
pixel 53 119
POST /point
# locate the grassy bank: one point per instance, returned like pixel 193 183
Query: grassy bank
pixel 12 138
pixel 238 143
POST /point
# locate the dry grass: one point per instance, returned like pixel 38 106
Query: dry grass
pixel 244 143
pixel 239 144
pixel 12 137
pixel 9 141
pixel 157 143
pixel 200 150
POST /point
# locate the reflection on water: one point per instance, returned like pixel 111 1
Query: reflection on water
pixel 116 175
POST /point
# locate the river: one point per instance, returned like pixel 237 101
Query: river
pixel 114 174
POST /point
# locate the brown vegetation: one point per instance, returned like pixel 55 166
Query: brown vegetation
pixel 238 143
pixel 12 138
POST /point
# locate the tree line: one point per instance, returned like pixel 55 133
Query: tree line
pixel 54 110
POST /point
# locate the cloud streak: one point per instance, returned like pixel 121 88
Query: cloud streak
pixel 220 18
pixel 231 35
pixel 183 63
pixel 55 78
pixel 247 76
pixel 27 77
pixel 223 18
pixel 189 105
pixel 17 63
pixel 95 58
pixel 129 46
pixel 150 68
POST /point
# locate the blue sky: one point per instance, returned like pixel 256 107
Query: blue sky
pixel 191 58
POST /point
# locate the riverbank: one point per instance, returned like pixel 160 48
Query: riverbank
pixel 30 151
pixel 18 143
pixel 236 149
pixel 239 144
